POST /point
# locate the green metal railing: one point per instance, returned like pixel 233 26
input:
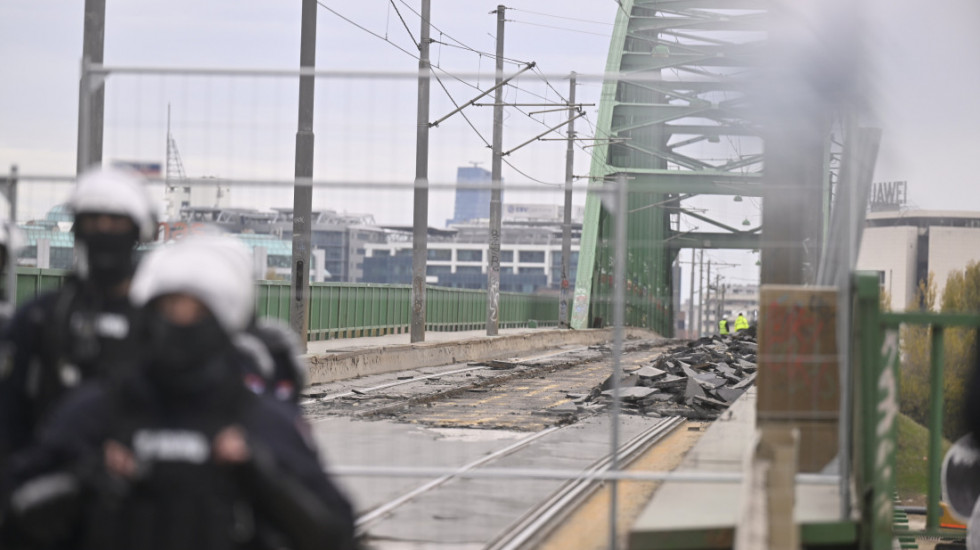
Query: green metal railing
pixel 877 377
pixel 32 281
pixel 349 310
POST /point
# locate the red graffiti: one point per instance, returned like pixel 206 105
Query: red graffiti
pixel 798 350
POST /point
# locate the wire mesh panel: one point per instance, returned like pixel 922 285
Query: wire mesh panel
pixel 423 451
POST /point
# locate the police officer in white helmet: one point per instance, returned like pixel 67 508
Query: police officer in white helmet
pixel 184 455
pixel 83 330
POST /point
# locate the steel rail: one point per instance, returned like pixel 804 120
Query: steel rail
pixel 365 520
pixel 542 519
pixel 561 474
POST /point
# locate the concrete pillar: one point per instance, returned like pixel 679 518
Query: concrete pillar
pixel 260 262
pixel 319 265
pixel 43 253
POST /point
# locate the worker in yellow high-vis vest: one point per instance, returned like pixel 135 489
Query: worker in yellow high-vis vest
pixel 741 323
pixel 723 327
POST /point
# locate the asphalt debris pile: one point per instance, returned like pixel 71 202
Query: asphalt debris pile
pixel 698 380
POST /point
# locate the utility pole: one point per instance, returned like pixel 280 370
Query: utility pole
pixel 91 95
pixel 690 303
pixel 566 235
pixel 721 301
pixel 700 289
pixel 707 302
pixel 421 210
pixel 303 188
pixel 493 267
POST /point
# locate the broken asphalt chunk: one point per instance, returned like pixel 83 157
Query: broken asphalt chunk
pixel 650 373
pixel 631 394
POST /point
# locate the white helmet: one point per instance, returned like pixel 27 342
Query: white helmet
pixel 116 191
pixel 216 269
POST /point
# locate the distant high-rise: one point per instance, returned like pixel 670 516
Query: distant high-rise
pixel 472 194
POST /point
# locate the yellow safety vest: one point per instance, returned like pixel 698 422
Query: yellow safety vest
pixel 723 326
pixel 741 323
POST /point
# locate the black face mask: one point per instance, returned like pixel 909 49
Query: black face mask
pixel 110 257
pixel 186 359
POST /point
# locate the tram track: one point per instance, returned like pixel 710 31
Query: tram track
pixel 456 456
pixel 540 521
pixel 542 517
pixel 366 520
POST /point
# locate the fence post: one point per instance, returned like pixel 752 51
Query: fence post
pixel 876 529
pixel 880 357
pixel 935 428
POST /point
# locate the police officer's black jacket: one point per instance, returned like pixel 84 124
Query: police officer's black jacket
pixel 52 344
pixel 179 498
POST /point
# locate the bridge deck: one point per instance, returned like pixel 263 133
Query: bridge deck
pixel 689 515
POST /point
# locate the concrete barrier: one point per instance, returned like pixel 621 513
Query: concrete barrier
pixel 330 367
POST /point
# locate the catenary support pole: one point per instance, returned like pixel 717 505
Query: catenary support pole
pixel 496 179
pixel 700 291
pixel 420 214
pixel 91 98
pixel 707 302
pixel 720 299
pixel 303 187
pixel 690 303
pixel 566 233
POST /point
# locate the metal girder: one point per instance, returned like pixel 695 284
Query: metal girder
pixel 744 240
pixel 715 223
pixel 666 113
pixel 702 4
pixel 678 77
pixel 738 23
pixel 696 86
pixel 644 62
pixel 670 156
pixel 698 183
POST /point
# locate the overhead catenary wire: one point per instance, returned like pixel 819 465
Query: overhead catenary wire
pixel 555 27
pixel 367 30
pixel 404 24
pixel 564 17
pixel 461 45
pixel 484 140
pixel 451 75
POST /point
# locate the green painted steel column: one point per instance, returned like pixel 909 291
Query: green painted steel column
pixel 655 87
pixel 935 427
pixel 886 433
pixel 867 356
pixel 588 242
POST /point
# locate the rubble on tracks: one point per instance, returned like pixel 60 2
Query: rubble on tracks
pixel 698 380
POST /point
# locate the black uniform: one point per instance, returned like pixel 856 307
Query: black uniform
pixel 270 360
pixel 53 344
pixel 179 498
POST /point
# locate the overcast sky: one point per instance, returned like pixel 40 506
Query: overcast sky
pixel 926 79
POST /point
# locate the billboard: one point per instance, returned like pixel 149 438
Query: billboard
pixel 888 195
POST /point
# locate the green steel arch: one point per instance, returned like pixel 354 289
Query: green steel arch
pixel 671 111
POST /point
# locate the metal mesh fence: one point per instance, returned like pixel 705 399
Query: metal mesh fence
pixel 218 147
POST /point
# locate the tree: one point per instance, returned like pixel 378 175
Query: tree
pixel 961 294
pixel 914 387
